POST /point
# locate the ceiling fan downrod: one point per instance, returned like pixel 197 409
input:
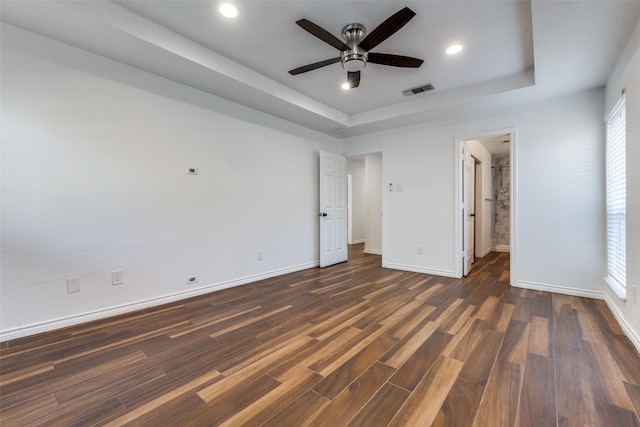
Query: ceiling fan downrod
pixel 354 59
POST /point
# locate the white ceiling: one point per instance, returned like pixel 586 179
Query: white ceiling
pixel 498 146
pixel 514 52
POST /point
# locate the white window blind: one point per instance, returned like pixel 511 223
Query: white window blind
pixel 616 198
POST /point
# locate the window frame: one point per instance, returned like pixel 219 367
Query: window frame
pixel 616 194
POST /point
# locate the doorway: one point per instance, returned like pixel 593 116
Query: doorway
pixel 365 195
pixel 485 181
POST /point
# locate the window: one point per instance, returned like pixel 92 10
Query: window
pixel 616 198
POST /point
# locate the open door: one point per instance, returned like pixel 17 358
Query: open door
pixel 333 209
pixel 471 205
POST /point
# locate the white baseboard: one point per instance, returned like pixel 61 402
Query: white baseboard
pixel 373 251
pixel 502 248
pixel 357 241
pixel 415 269
pixel 50 325
pixel 41 327
pixel 626 327
pixel 484 253
pixel 567 290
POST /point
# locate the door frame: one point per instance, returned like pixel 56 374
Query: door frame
pixel 384 194
pixel 459 142
pixel 349 208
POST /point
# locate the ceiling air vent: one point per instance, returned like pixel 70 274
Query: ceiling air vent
pixel 417 90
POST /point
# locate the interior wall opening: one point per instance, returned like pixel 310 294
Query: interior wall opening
pixel 365 201
pixel 485 196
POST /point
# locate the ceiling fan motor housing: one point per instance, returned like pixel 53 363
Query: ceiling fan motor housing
pixel 354 59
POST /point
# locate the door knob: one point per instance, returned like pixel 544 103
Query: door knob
pixel 323 214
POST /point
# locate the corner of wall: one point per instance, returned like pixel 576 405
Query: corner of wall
pixel 628 329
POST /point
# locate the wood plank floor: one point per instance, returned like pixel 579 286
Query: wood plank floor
pixel 349 345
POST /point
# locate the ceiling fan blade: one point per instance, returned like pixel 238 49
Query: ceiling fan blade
pixel 322 34
pixel 394 60
pixel 353 78
pixel 387 28
pixel 314 66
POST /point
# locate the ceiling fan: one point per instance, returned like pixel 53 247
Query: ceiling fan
pixel 354 51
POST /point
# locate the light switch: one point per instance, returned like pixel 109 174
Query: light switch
pixel 117 277
pixel 73 285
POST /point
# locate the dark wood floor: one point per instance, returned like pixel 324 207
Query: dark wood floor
pixel 353 344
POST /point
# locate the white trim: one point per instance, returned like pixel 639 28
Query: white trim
pixel 459 142
pixel 50 325
pixel 617 288
pixel 502 248
pixel 383 201
pixel 616 198
pixel 415 269
pixel 458 255
pixel 357 241
pixel 566 290
pixel 626 327
pixel 349 207
pixel 513 226
pixel 484 253
pixel 384 205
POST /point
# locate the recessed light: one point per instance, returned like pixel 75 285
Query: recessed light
pixel 453 49
pixel 346 86
pixel 228 10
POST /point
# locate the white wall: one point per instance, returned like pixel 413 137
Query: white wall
pixel 627 75
pixel 94 162
pixel 356 169
pixel 501 203
pixel 373 204
pixel 94 159
pixel 483 216
pixel 559 166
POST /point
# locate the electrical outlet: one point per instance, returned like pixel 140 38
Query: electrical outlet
pixel 117 277
pixel 192 279
pixel 259 256
pixel 192 171
pixel 420 250
pixel 73 285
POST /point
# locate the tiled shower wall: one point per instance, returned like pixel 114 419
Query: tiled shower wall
pixel 502 200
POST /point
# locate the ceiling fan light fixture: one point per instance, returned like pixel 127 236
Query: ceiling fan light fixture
pixel 228 10
pixel 454 49
pixel 353 62
pixel 354 59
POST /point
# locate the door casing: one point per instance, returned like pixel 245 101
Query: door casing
pixel 459 182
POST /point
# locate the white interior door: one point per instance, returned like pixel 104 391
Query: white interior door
pixel 333 209
pixel 472 209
